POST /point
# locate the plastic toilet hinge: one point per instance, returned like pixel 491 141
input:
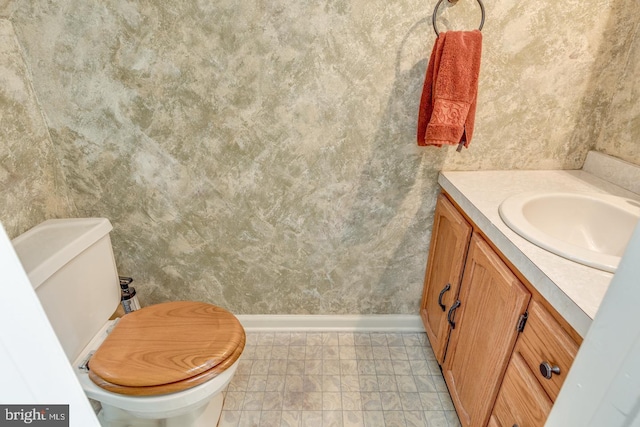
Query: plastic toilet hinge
pixel 84 366
pixel 113 325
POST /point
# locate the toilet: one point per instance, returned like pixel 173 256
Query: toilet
pixel 163 365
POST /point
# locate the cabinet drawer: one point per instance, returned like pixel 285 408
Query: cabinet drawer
pixel 544 341
pixel 521 400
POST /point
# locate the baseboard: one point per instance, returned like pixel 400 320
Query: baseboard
pixel 339 322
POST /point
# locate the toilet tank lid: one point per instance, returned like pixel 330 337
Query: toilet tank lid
pixel 47 247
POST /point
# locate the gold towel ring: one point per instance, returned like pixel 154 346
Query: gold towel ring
pixel 435 11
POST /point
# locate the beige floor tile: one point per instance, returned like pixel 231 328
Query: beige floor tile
pixel 282 339
pixel 343 379
pixel 330 367
pixel 371 401
pixel 272 401
pixel 331 401
pixel 435 419
pixel 390 401
pixel 253 401
pixel 270 418
pixel 351 401
pixel 353 418
pixel 292 401
pixel 346 338
pixel 313 367
pixel 249 419
pixel 373 418
pixel 430 401
pixel 332 419
pixel 312 401
pixel 291 419
pixel 275 383
pixel 394 418
pixel 415 418
pixel 229 419
pixel 411 401
pixel 312 383
pixel 311 418
pixel 331 383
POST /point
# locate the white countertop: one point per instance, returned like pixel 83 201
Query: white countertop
pixel 573 289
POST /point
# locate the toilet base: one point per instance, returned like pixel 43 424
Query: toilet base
pixel 206 415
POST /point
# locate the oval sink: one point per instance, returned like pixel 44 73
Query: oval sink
pixel 592 229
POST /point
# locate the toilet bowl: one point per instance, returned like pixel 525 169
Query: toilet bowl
pixel 163 365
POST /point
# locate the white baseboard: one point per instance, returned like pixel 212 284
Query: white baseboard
pixel 338 322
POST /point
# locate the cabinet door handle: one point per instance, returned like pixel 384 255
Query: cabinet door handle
pixel 547 370
pixel 445 289
pixel 451 310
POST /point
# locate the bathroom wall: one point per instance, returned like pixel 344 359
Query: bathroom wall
pixel 620 133
pixel 262 155
pixel 32 187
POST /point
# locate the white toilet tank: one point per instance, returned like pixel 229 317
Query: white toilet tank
pixel 71 266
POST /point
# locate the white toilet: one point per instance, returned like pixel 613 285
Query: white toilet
pixel 163 365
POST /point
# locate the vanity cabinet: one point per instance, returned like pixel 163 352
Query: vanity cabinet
pixel 449 241
pixel 502 352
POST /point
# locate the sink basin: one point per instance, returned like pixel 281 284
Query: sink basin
pixel 592 229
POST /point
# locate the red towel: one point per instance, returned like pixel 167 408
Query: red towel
pixel 448 102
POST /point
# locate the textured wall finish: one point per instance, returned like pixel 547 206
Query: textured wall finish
pixel 537 62
pixel 620 134
pixel 261 155
pixel 32 187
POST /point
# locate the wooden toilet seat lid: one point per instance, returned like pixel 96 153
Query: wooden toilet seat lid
pixel 168 343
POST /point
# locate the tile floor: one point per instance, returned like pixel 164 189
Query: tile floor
pixel 327 379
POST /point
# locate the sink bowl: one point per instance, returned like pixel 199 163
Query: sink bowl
pixel 592 229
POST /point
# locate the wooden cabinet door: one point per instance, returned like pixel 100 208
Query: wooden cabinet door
pixel 492 301
pixel 447 252
pixel 521 401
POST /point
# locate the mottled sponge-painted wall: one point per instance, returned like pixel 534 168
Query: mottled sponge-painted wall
pixel 32 186
pixel 620 132
pixel 262 156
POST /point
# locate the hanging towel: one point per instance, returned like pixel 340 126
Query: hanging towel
pixel 448 102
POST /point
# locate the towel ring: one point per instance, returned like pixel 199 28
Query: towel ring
pixel 435 11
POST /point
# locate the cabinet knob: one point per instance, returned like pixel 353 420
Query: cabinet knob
pixel 547 370
pixel 445 289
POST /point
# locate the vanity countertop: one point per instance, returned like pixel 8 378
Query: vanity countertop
pixel 573 289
